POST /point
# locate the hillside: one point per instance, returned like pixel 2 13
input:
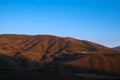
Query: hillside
pixel 63 54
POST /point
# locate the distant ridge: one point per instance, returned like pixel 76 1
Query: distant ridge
pixel 118 47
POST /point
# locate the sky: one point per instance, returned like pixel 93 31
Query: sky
pixel 93 20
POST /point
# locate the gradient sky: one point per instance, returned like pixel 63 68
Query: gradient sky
pixel 93 20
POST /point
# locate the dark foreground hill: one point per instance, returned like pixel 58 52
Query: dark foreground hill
pixel 48 56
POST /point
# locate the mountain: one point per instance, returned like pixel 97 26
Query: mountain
pixel 53 53
pixel 118 47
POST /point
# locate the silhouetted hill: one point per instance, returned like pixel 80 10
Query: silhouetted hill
pixel 62 54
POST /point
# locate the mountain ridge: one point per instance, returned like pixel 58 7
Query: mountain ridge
pixel 46 51
pixel 117 48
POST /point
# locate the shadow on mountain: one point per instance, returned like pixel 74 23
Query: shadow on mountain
pixel 21 68
pixel 69 57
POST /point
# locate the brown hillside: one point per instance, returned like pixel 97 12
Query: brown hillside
pixel 53 50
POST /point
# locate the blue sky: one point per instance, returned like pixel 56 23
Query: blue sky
pixel 93 20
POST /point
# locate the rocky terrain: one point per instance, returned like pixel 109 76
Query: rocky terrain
pixel 64 55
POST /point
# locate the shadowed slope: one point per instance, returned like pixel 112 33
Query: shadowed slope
pixel 117 48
